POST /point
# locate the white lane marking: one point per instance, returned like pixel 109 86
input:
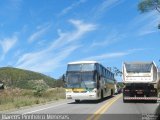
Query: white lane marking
pixel 45 108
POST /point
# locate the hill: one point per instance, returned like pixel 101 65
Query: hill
pixel 25 79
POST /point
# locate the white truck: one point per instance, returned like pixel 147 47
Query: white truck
pixel 141 81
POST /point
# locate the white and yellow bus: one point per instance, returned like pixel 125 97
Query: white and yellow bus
pixel 88 80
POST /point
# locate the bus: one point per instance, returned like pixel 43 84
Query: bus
pixel 88 80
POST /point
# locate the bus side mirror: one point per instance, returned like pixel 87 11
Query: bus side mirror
pixel 64 78
pixel 64 81
pixel 65 85
pixel 99 77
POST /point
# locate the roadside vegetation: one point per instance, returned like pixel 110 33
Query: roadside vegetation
pixel 27 88
pixel 16 98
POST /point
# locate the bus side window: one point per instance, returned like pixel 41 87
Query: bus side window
pixel 99 77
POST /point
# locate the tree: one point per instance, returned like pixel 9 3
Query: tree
pixel 159 26
pixel 60 82
pixel 149 5
pixel 115 70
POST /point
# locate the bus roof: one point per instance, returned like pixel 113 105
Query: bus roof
pixel 82 62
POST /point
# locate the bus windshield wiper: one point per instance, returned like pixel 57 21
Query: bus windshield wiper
pixel 84 84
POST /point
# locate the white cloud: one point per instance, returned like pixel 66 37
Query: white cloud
pixel 151 26
pixel 109 55
pixel 69 37
pixel 72 6
pixel 145 24
pixel 111 37
pixel 112 55
pixel 51 57
pixel 45 62
pixel 41 31
pixel 8 43
pixel 104 6
pixel 135 50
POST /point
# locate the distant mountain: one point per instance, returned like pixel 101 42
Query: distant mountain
pixel 25 79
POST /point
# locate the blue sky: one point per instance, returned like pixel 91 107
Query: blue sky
pixel 44 35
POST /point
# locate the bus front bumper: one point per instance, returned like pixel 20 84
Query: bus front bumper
pixel 82 96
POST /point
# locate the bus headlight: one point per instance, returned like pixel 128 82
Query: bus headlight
pixel 94 90
pixel 68 91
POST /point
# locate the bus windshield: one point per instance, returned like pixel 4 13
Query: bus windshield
pixel 138 68
pixel 81 80
pixel 81 67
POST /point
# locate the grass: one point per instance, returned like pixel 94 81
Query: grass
pixel 16 98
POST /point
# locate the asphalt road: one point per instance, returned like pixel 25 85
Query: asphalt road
pixel 111 108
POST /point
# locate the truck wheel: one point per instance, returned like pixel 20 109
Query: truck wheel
pixel 154 101
pixel 124 101
pixel 77 101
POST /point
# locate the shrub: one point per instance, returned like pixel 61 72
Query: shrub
pixel 40 88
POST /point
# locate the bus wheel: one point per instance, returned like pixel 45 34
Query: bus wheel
pixel 77 101
pixel 111 92
pixel 102 94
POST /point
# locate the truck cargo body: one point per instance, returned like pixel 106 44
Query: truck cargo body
pixel 141 81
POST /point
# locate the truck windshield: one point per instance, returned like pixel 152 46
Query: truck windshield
pixel 81 67
pixel 138 68
pixel 81 80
